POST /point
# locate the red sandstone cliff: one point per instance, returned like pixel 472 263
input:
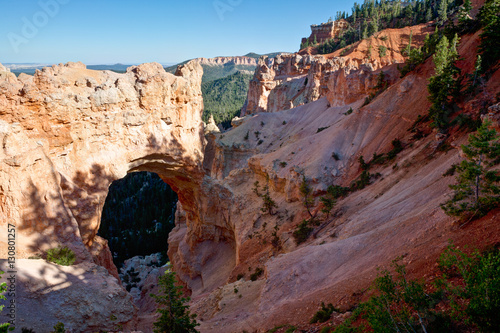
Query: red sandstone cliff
pixel 346 75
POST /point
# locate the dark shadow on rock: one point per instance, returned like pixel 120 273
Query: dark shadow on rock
pixel 59 215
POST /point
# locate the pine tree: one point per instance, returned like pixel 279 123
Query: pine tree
pixel 268 203
pixel 328 204
pixel 444 84
pixel 477 190
pixel 477 71
pixel 175 315
pixel 428 15
pixel 490 37
pixel 443 11
pixel 464 12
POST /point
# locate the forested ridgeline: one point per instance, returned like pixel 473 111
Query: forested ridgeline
pixel 372 16
pixel 224 98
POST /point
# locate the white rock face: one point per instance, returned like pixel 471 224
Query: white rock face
pixel 136 270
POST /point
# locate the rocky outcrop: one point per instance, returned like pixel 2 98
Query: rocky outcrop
pixel 68 132
pixel 136 271
pixel 325 31
pixel 289 81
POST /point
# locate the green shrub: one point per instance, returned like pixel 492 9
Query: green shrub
pixel 397 147
pixel 59 328
pixel 465 299
pixel 325 329
pixel 4 327
pixel 377 159
pixel 328 204
pixel 302 232
pixel 382 51
pixel 255 275
pixel 323 314
pixel 451 171
pixel 275 328
pixel 466 122
pixel 362 181
pixel 62 256
pixel 267 202
pixel 337 191
pixel 477 301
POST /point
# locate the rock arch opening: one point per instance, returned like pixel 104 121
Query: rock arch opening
pixel 137 217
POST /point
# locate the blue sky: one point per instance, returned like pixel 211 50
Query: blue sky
pixel 131 31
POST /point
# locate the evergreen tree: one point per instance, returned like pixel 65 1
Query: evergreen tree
pixel 475 77
pixel 365 32
pixel 428 15
pixel 444 84
pixel 268 203
pixel 464 12
pixel 477 190
pixel 443 11
pixel 489 17
pixel 175 315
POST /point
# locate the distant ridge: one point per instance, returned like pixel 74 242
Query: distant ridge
pixel 257 56
pixel 31 68
pixel 220 67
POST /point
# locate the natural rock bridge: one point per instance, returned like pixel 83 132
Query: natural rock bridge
pixel 67 132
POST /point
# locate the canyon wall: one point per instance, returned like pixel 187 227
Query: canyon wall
pixel 288 81
pixel 307 118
